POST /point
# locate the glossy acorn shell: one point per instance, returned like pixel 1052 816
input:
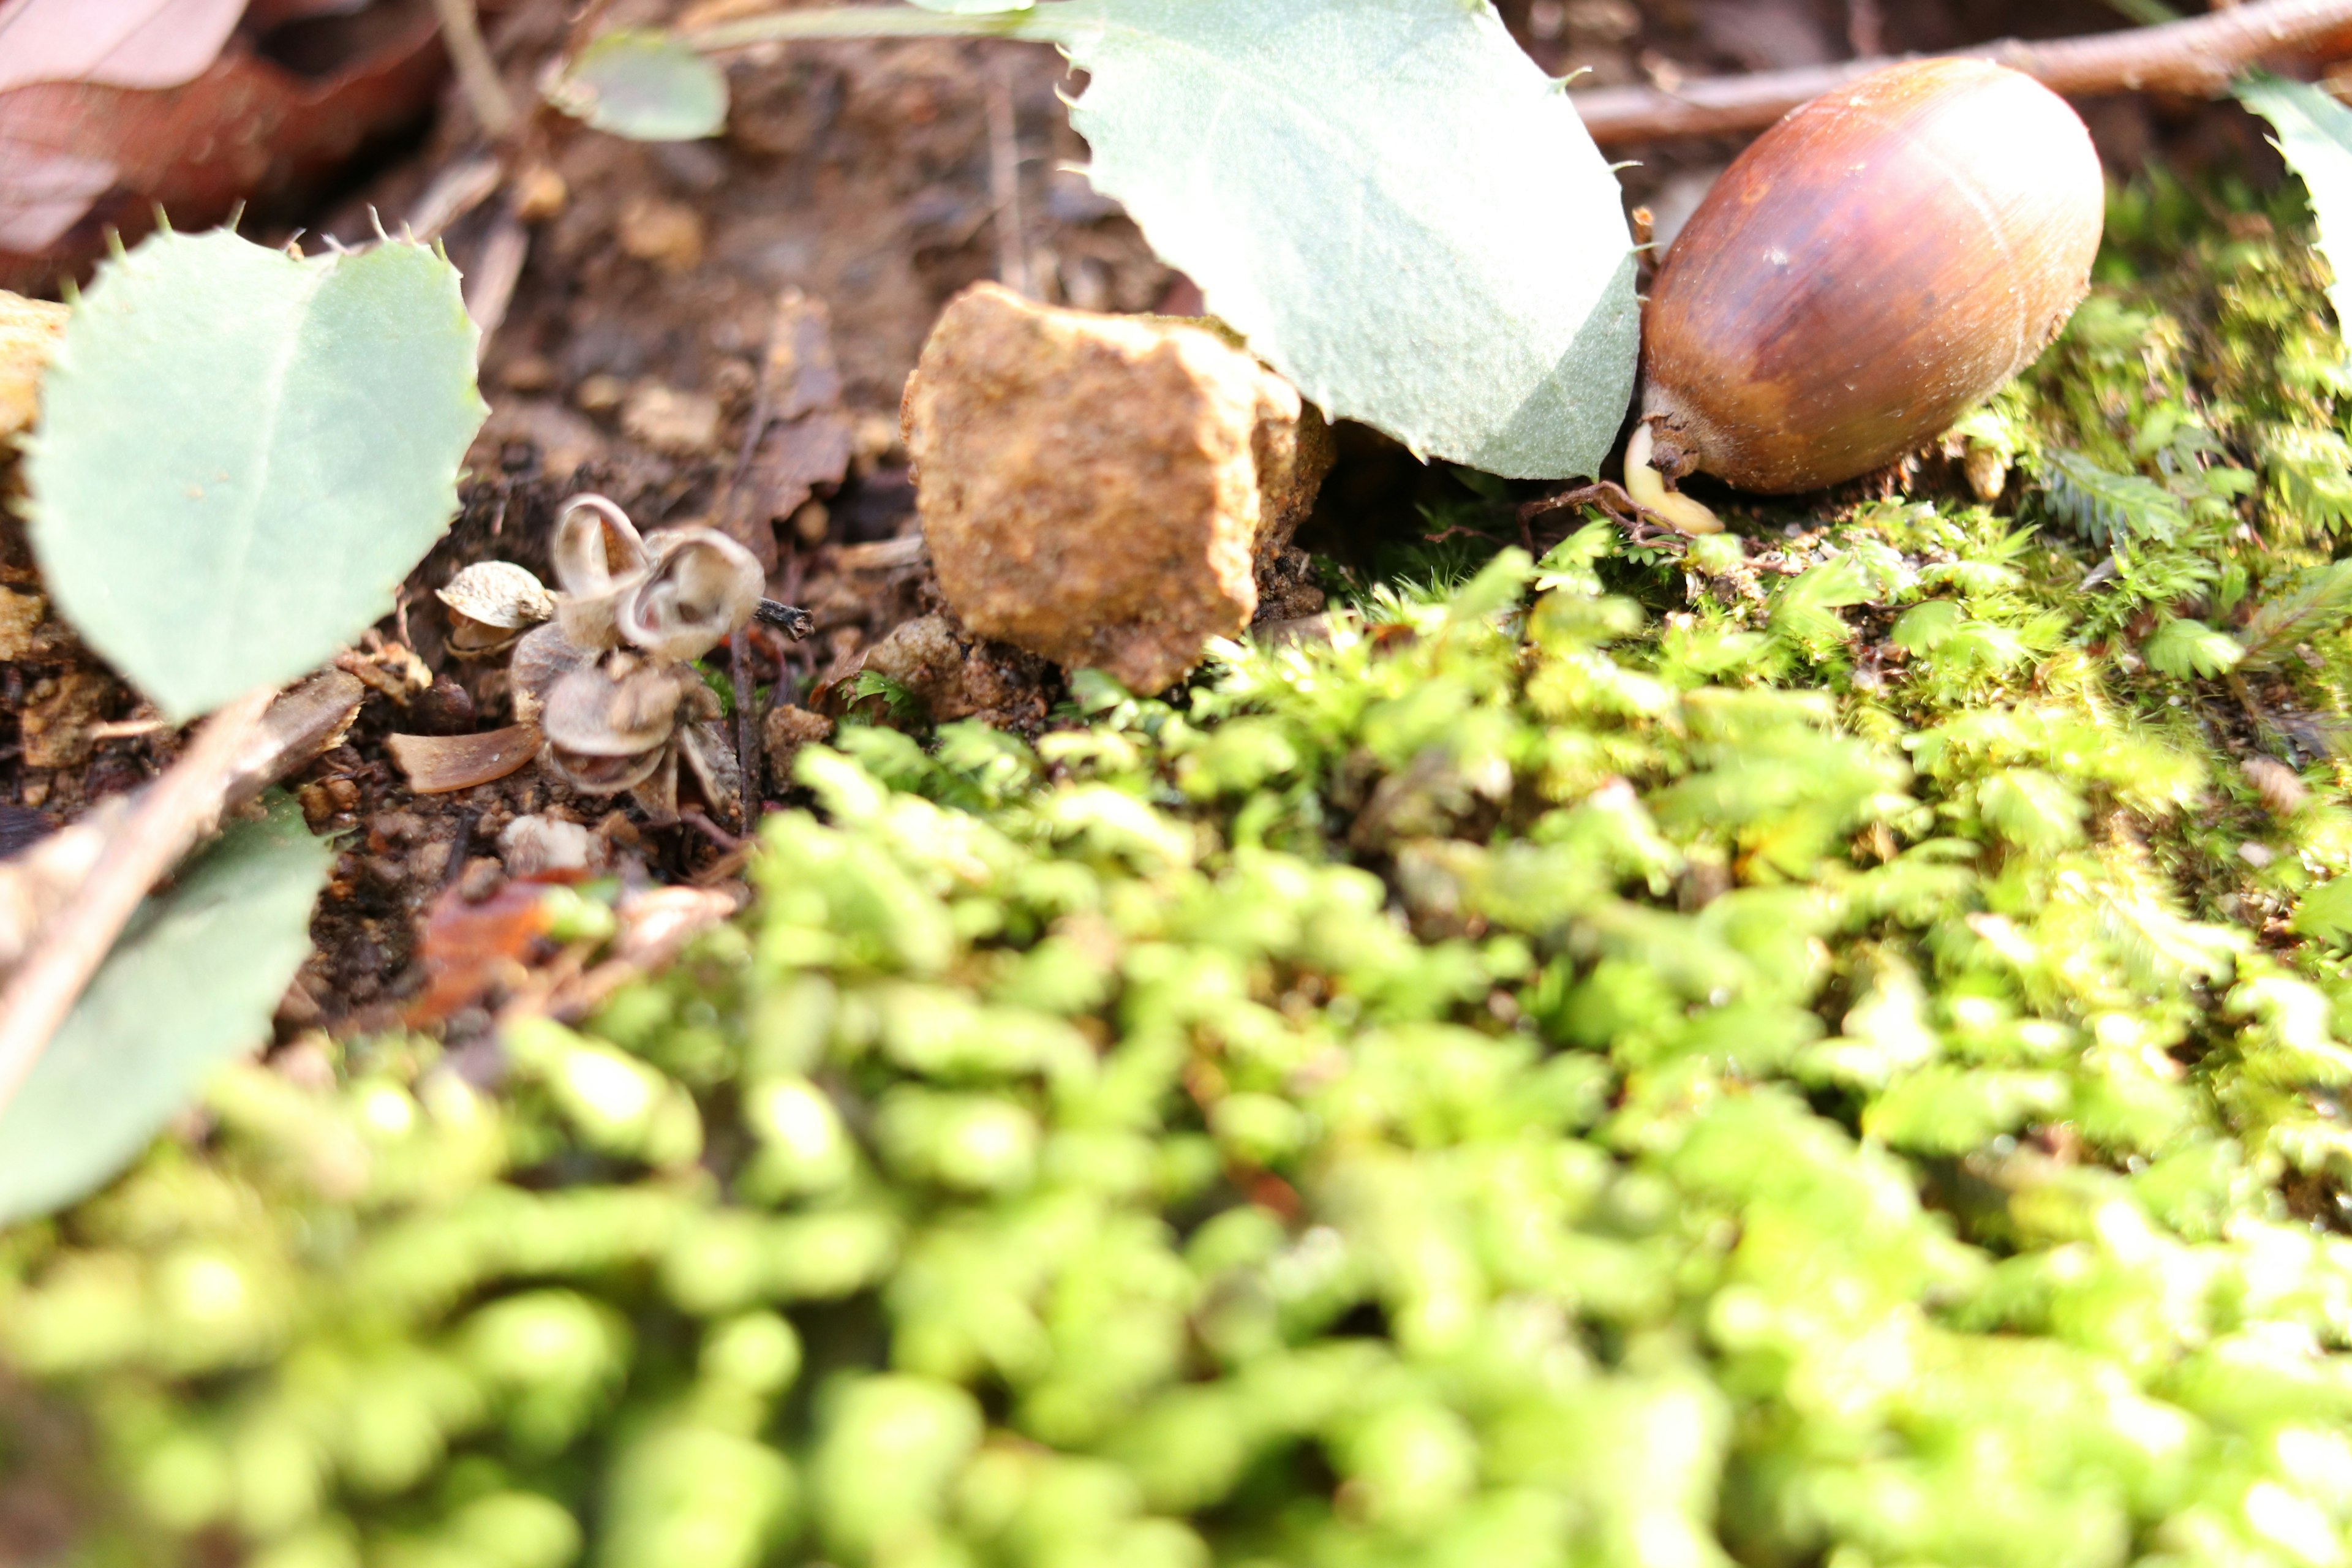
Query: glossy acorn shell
pixel 1878 261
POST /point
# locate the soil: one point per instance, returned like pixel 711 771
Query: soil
pixel 673 298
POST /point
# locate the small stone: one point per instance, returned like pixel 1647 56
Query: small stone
pixel 20 617
pixel 540 193
pixel 536 846
pixel 601 393
pixel 790 729
pixel 55 724
pixel 669 420
pixel 1095 489
pixel 527 373
pixel 668 233
pixel 29 330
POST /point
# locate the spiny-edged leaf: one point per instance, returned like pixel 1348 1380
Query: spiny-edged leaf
pixel 2317 605
pixel 647 86
pixel 2181 647
pixel 1386 198
pixel 2108 508
pixel 2314 137
pixel 193 981
pixel 242 455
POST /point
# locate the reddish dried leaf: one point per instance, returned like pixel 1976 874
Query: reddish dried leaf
pixel 806 444
pixel 114 43
pixel 81 158
pixel 472 949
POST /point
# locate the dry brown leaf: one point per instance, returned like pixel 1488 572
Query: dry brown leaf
pixel 116 43
pixel 83 157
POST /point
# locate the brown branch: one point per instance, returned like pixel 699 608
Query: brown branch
pixel 178 810
pixel 2198 56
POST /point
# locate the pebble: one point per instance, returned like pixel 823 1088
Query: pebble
pixel 1096 488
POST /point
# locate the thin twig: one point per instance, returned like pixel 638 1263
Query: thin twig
pixel 182 808
pixel 2198 56
pixel 747 740
pixel 860 22
pixel 497 267
pixel 461 31
pixel 1004 185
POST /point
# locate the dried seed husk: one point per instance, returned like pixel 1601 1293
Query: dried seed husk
pixel 500 594
pixel 1883 258
pixel 702 588
pixel 437 764
pixel 598 558
pixel 593 775
pixel 617 709
pixel 544 656
pixel 711 754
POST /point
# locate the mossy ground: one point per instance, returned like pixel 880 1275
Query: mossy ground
pixel 1827 1049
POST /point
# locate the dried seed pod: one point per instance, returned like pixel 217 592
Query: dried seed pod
pixel 609 725
pixel 703 588
pixel 1879 260
pixel 491 603
pixel 544 657
pixel 710 755
pixel 598 558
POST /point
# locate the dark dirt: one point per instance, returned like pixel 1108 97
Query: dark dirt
pixel 785 276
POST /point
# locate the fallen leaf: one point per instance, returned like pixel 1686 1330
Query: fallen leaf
pixel 112 43
pixel 807 440
pixel 471 949
pixel 83 157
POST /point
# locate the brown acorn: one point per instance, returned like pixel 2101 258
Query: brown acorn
pixel 1877 262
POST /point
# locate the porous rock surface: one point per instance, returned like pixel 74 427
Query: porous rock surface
pixel 1095 489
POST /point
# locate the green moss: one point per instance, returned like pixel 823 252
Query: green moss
pixel 1816 1054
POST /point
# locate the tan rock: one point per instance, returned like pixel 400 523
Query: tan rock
pixel 56 723
pixel 20 618
pixel 1095 489
pixel 29 330
pixel 668 233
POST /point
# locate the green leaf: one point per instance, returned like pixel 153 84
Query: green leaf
pixel 2181 647
pixel 2105 507
pixel 2318 603
pixel 2326 913
pixel 193 981
pixel 975 7
pixel 2314 137
pixel 647 86
pixel 1386 197
pixel 242 455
